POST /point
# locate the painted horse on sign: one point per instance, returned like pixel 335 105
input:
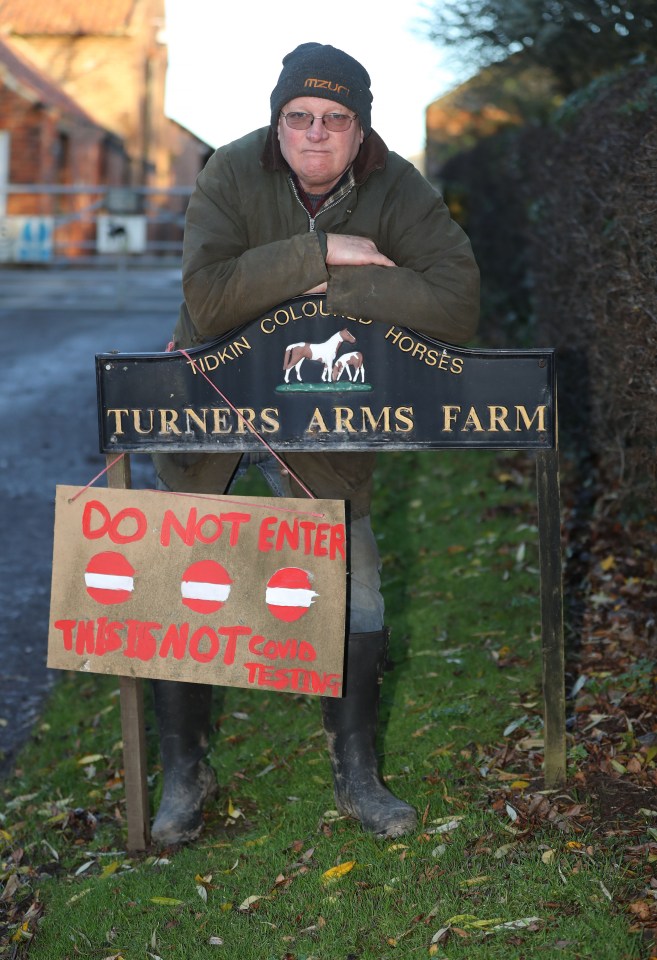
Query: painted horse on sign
pixel 296 353
pixel 352 359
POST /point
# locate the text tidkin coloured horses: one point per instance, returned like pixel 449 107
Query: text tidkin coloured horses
pixel 296 353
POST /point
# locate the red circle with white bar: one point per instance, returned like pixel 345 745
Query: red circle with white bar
pixel 205 586
pixel 109 578
pixel 289 594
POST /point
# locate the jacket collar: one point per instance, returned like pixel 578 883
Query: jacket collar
pixel 372 156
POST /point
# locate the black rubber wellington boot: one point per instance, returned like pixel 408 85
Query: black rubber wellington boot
pixel 351 723
pixel 183 712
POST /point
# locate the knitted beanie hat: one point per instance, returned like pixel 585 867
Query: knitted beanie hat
pixel 320 70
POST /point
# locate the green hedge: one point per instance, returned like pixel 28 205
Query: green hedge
pixel 562 218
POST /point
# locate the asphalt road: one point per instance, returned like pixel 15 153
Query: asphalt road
pixel 53 322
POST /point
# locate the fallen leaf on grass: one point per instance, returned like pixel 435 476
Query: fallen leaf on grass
pixel 330 815
pixel 507 775
pixel 529 923
pixel 461 918
pixel 266 770
pixel 258 841
pixel 422 730
pixel 504 849
pixel 246 905
pixel 78 896
pixel 440 935
pixel 444 825
pixel 10 887
pixel 167 901
pixel 90 758
pixel 605 891
pixel 216 942
pixel 232 812
pixel 335 873
pixel 23 933
pixel 475 881
pixel 642 909
pixel 49 847
pixel 530 743
pixel 514 724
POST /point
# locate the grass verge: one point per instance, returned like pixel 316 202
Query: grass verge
pixel 498 869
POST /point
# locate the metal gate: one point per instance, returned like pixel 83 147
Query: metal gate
pixel 51 224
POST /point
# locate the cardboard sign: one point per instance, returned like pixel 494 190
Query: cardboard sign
pixel 246 591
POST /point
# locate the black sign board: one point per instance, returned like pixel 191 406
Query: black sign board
pixel 305 378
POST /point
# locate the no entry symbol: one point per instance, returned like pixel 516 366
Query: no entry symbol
pixel 109 578
pixel 289 594
pixel 205 586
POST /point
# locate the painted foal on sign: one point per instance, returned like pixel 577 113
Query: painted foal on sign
pixel 296 353
pixel 346 360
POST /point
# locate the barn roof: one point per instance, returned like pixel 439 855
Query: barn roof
pixel 65 17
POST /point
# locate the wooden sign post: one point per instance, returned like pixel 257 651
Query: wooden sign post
pixel 305 379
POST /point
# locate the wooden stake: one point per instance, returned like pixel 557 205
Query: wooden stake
pixel 132 718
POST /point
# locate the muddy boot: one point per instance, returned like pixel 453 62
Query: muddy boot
pixel 351 724
pixel 183 717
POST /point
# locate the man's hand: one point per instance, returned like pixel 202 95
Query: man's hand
pixel 346 251
pixel 320 288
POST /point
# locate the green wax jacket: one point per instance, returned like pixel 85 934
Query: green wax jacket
pixel 250 244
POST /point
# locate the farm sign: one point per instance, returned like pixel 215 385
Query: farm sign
pixel 305 379
pixel 243 592
pixel 301 379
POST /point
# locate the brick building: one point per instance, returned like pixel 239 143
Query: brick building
pixel 52 140
pixel 82 99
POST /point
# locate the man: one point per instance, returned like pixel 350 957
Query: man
pixel 314 203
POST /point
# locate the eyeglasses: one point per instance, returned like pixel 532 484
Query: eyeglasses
pixel 335 122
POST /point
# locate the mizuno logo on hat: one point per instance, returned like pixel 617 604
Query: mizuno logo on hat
pixel 326 85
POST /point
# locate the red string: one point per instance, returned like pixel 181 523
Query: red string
pixel 241 503
pixel 208 497
pixel 97 477
pixel 247 422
